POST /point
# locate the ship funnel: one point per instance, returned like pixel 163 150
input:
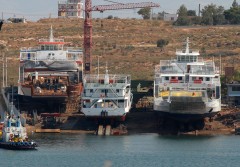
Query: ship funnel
pixel 51 38
pixel 106 78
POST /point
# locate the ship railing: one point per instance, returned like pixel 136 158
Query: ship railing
pixel 202 72
pixel 190 85
pixel 171 72
pixel 209 63
pixel 184 51
pixel 30 49
pixel 167 62
pixel 54 40
pixel 102 95
pixel 112 78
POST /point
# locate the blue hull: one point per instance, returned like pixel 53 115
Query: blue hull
pixel 18 145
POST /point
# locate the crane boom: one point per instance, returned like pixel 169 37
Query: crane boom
pixel 124 6
pixel 88 24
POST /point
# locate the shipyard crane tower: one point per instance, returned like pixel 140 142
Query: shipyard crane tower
pixel 88 24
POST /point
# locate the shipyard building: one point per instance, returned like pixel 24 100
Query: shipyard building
pixel 70 9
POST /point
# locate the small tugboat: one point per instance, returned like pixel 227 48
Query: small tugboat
pixel 14 135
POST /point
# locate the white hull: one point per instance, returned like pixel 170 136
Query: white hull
pixel 106 96
pixel 111 112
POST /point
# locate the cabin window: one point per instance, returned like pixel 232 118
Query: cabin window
pixel 201 78
pixel 13 124
pixel 207 79
pixel 218 92
pixel 167 78
pixel 195 58
pixel 51 47
pixel 179 58
pixel 193 78
pixel 183 58
pixel 179 78
pixel 235 88
pixel 191 58
pixel 74 57
pixel 23 56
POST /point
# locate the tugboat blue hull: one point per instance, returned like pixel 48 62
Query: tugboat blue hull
pixel 18 145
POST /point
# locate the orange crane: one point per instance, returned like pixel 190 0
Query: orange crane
pixel 88 23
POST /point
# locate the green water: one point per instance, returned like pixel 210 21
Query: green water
pixel 148 150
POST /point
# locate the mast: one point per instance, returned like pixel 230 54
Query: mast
pixel 187 45
pixel 51 38
pixel 106 78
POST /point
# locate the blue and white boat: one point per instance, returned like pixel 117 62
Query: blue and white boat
pixel 14 135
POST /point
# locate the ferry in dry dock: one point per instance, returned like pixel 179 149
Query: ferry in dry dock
pixel 49 75
pixel 187 88
pixel 106 96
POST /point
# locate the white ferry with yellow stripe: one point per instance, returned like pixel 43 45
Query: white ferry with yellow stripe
pixel 187 88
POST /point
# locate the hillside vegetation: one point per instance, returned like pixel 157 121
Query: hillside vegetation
pixel 129 46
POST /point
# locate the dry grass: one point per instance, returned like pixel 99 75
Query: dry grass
pixel 129 46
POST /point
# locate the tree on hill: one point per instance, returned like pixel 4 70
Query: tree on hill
pixel 235 4
pixel 110 17
pixel 183 19
pixel 182 11
pixel 213 15
pixel 161 43
pixel 145 12
pixel 191 13
pixel 232 15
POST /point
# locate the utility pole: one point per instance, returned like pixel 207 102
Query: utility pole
pixel 6 71
pixel 3 72
pixel 199 8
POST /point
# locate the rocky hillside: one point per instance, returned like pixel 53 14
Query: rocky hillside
pixel 129 46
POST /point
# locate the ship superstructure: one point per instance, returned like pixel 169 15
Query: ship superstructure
pixel 187 87
pixel 50 73
pixel 106 95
